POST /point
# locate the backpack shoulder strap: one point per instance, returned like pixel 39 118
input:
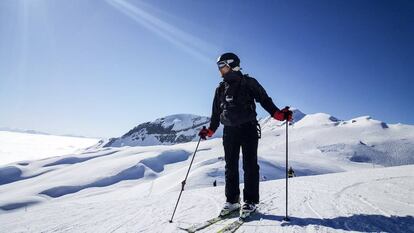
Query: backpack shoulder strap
pixel 221 87
pixel 221 84
pixel 220 90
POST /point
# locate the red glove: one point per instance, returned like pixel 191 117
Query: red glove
pixel 284 114
pixel 204 132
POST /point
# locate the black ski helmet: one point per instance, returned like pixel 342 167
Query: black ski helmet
pixel 230 59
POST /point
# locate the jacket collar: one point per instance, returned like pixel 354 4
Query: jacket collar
pixel 232 76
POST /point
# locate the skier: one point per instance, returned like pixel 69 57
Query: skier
pixel 234 106
pixel 291 173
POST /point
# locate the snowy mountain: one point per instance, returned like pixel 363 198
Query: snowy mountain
pixel 362 139
pixel 168 130
pixel 173 129
pixel 124 189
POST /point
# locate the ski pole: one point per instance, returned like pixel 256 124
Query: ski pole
pixel 287 125
pixel 185 179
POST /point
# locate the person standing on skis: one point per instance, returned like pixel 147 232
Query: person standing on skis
pixel 291 173
pixel 234 106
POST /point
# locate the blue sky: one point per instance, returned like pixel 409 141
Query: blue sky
pixel 98 68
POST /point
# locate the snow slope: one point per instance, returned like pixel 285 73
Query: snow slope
pixel 18 146
pixel 327 148
pixel 370 200
pixel 124 189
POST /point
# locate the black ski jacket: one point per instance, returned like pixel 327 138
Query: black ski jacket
pixel 234 101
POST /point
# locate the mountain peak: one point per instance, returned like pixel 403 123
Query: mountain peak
pixel 172 129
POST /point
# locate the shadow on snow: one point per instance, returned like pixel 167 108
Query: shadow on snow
pixel 357 222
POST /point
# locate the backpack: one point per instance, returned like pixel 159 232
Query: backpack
pixel 236 102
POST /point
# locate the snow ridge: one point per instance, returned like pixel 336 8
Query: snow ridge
pixel 168 130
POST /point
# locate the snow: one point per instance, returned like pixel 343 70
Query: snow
pixel 372 200
pixel 17 146
pixel 317 120
pixel 344 183
pixel 181 121
pixel 167 130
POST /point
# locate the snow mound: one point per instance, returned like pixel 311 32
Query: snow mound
pixel 131 173
pixel 365 121
pixel 317 120
pixel 389 154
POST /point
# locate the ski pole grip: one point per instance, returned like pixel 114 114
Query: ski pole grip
pixel 285 113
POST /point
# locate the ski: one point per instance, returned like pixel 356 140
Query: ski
pixel 205 224
pixel 233 226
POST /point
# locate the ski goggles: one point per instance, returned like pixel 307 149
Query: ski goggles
pixel 222 64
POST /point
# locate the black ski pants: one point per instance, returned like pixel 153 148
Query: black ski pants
pixel 246 137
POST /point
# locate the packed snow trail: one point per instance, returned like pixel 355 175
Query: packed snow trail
pixel 370 200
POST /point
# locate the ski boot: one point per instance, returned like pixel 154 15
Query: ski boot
pixel 229 208
pixel 247 210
